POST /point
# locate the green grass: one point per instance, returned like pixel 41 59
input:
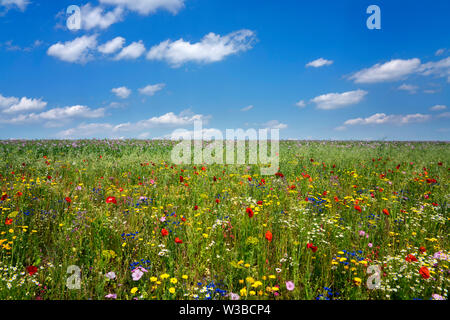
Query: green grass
pixel 222 247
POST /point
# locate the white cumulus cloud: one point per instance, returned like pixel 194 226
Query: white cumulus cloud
pixel 169 119
pixel 393 70
pixel 408 87
pixel 112 46
pixel 274 124
pixel 382 118
pixel 96 17
pixel 132 51
pixel 331 101
pixel 438 107
pixel 301 104
pixel 211 48
pixel 247 108
pixel 23 105
pixel 75 51
pixel 150 90
pixel 319 63
pixel 21 4
pixel 121 92
pixel 146 7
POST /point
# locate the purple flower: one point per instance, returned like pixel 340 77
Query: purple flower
pixel 111 296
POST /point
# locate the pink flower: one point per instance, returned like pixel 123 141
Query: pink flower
pixel 437 297
pixel 162 219
pixel 234 296
pixel 137 273
pixel 362 233
pixel 111 296
pixel 152 181
pixel 370 245
pixel 110 275
pixel 290 285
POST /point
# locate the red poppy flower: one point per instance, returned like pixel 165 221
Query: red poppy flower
pixel 164 232
pixel 19 194
pixel 195 207
pixel 214 179
pixel 358 208
pixel 410 258
pixel 336 199
pixel 111 200
pixel 217 201
pixel 279 174
pixel 312 247
pixel 422 249
pixel 424 272
pixel 68 200
pixel 49 177
pixel 269 236
pixel 260 203
pixel 4 197
pixel 178 240
pixel 249 212
pixel 32 270
pixel 181 179
pixel 386 212
pixel 8 221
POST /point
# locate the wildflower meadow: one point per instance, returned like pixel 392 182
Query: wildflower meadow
pixel 116 219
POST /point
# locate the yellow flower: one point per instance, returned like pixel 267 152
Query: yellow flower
pixel 174 280
pixel 172 290
pixel 275 288
pixel 252 293
pixel 164 276
pixel 184 277
pixel 357 281
pixel 272 276
pixel 153 279
pixel 250 280
pixel 134 290
pixel 243 292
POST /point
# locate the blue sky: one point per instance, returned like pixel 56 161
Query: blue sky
pixel 142 68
